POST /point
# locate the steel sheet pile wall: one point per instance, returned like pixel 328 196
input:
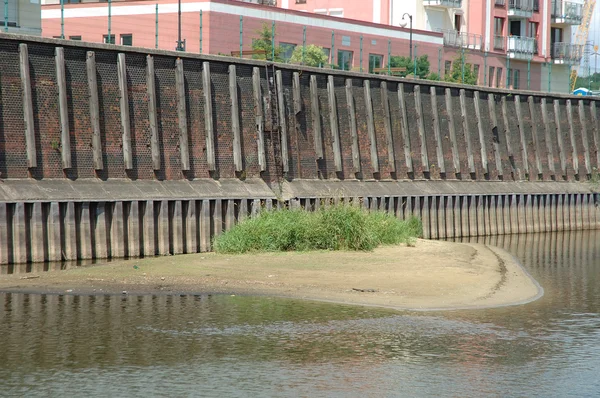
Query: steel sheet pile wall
pixel 78 112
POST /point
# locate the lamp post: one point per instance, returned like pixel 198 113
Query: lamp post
pixel 180 43
pixel 403 24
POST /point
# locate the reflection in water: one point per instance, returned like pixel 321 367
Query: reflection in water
pixel 240 346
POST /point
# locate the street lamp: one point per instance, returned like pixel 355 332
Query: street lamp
pixel 180 43
pixel 403 24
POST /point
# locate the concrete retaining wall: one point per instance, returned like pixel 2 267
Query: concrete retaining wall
pixel 108 151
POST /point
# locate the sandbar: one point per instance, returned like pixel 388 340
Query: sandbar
pixel 431 275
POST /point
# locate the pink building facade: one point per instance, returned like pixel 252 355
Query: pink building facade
pixel 356 35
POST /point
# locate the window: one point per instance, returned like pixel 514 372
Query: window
pixel 532 29
pixel 375 61
pixel 509 78
pixel 447 67
pixel 476 73
pixel 499 77
pixel 11 10
pixel 491 77
pixel 320 11
pixel 336 12
pixel 457 22
pixel 57 37
pixel 499 26
pixel 345 59
pixel 74 37
pixel 287 49
pixel 127 40
pixel 107 40
pixel 516 79
pixel 327 52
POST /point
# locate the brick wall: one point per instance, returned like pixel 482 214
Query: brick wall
pixel 488 139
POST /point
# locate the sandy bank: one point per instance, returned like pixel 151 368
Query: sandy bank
pixel 431 275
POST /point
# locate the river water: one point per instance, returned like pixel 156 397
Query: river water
pixel 221 346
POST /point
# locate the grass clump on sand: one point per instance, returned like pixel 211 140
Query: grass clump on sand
pixel 340 227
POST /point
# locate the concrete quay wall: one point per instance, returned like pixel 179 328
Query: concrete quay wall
pixel 108 151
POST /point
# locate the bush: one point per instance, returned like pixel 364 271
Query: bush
pixel 340 227
pixel 313 56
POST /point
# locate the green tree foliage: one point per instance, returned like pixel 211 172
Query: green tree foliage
pixel 264 42
pixel 456 74
pixel 405 62
pixel 313 56
pixel 591 82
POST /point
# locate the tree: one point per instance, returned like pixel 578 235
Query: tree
pixel 461 71
pixel 405 62
pixel 264 42
pixel 313 56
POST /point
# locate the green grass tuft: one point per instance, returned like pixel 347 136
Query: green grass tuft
pixel 340 227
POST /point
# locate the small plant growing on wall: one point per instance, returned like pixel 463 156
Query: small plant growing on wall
pixel 55 145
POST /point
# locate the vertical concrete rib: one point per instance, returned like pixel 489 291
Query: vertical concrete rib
pixel 387 122
pixel 548 137
pixel 371 126
pixel 436 130
pixel 259 118
pixel 149 227
pixel 99 230
pixel 534 135
pixel 191 228
pixel 495 134
pixel 133 229
pixel 85 231
pixel 574 154
pixel 235 119
pixel 177 227
pixel 124 105
pixel 481 129
pixel 162 227
pixel 405 132
pixel 452 132
pixel 508 137
pixel 69 227
pixel 37 233
pixel 285 158
pixel 208 116
pixel 353 128
pixel 117 230
pixel 421 129
pixel 524 155
pixel 333 122
pixel 63 108
pixel 466 130
pixel 54 237
pixel 205 239
pixel 152 114
pixel 584 137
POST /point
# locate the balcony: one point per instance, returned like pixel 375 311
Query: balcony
pixel 521 8
pixel 443 3
pixel 455 39
pixel 500 43
pixel 519 47
pixel 567 53
pixel 566 12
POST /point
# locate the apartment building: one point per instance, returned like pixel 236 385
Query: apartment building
pixel 532 36
pixel 21 16
pixel 521 44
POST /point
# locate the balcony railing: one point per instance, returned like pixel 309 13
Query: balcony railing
pixel 567 53
pixel 521 47
pixel 452 38
pixel 568 12
pixel 500 43
pixel 443 3
pixel 520 8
